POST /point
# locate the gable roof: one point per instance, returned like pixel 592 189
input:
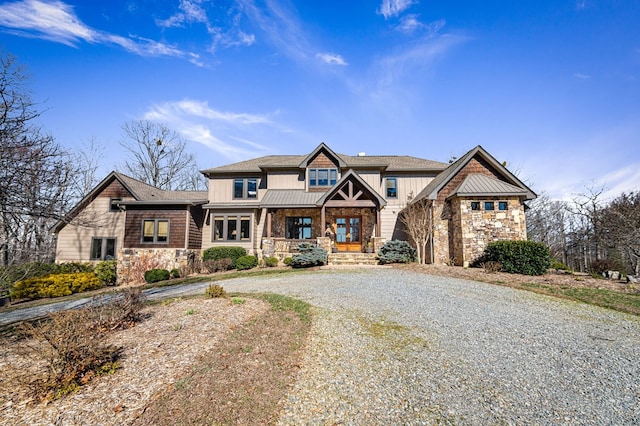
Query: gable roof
pixel 141 192
pixel 389 163
pixel 479 185
pixel 350 175
pixel 431 190
pixel 320 148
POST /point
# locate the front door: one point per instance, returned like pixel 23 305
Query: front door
pixel 348 236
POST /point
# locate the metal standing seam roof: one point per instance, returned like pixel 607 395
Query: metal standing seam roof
pixel 477 184
pixel 290 198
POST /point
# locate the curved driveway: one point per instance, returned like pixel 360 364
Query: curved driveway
pixel 396 347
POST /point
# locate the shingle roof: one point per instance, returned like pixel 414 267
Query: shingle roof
pixel 477 184
pixel 290 198
pixel 144 192
pixel 392 163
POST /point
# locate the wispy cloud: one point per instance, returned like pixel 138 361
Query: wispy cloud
pixel 391 8
pixel 332 58
pixel 56 21
pixel 581 76
pixel 190 11
pixel 228 133
pixel 411 24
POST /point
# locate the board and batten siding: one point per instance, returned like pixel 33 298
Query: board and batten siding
pixel 286 180
pixel 221 190
pixel 95 221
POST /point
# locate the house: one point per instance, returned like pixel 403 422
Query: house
pixel 269 204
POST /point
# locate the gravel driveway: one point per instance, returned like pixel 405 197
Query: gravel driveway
pixel 396 347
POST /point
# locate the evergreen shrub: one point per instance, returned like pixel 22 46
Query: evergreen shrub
pixel 106 272
pixel 155 275
pixel 517 257
pixel 55 285
pixel 224 252
pixel 271 262
pixel 396 251
pixel 246 262
pixel 309 255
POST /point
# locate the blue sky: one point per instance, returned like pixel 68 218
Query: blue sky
pixel 551 87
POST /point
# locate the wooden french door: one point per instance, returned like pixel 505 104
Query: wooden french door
pixel 348 235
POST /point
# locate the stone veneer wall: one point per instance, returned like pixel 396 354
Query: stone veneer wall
pixel 132 261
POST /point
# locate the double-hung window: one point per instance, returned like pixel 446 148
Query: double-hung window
pixel 231 228
pixel 298 228
pixel 245 188
pixel 155 231
pixel 322 177
pixel 392 187
pixel 103 248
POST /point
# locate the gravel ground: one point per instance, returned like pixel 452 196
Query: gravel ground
pixel 397 347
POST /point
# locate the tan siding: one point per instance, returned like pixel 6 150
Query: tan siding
pixel 408 185
pixel 221 191
pixel 388 219
pixel 285 180
pixel 207 228
pixel 74 240
pixel 373 180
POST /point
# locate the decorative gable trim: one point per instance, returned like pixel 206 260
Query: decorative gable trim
pixel 350 196
pixel 339 162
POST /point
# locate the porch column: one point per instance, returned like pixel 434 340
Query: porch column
pixel 378 227
pixel 269 224
pixel 322 220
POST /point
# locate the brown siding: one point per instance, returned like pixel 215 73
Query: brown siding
pixel 115 190
pixel 322 161
pixel 177 226
pixel 196 217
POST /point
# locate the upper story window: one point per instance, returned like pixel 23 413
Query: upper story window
pixel 322 177
pixel 392 187
pixel 503 205
pixel 155 231
pixel 114 204
pixel 245 188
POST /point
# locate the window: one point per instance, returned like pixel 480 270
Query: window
pixel 103 248
pixel 298 228
pixel 245 188
pixel 488 205
pixel 113 205
pixel 503 205
pixel 231 228
pixel 322 177
pixel 155 231
pixel 392 187
pixel 475 205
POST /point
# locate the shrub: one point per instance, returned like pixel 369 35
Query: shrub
pixel 72 267
pixel 556 264
pixel 271 262
pixel 228 252
pixel 518 257
pixel 155 275
pixel 175 273
pixel 287 261
pixel 601 266
pixel 309 255
pixel 215 291
pixel 56 285
pixel 491 266
pixel 121 311
pixel 106 272
pixel 246 262
pixel 134 273
pixel 218 265
pixel 396 251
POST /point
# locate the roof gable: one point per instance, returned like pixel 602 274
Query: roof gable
pixel 432 190
pixel 337 193
pixel 479 185
pixel 322 148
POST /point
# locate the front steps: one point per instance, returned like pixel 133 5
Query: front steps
pixel 352 259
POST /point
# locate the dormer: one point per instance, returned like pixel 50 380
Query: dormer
pixel 322 168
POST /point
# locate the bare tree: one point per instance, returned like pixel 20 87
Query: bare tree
pixel 35 173
pixel 88 158
pixel 620 229
pixel 158 155
pixel 547 223
pixel 417 217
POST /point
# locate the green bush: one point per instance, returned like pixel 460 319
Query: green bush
pixel 218 265
pixel 556 264
pixel 396 251
pixel 287 261
pixel 224 252
pixel 215 291
pixel 175 273
pixel 246 262
pixel 309 255
pixel 271 262
pixel 72 268
pixel 55 285
pixel 518 257
pixel 155 275
pixel 106 272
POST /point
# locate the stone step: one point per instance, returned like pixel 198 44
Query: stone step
pixel 352 259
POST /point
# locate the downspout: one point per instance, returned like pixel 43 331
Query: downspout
pixel 431 233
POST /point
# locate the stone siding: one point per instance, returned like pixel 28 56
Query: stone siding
pixel 135 261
